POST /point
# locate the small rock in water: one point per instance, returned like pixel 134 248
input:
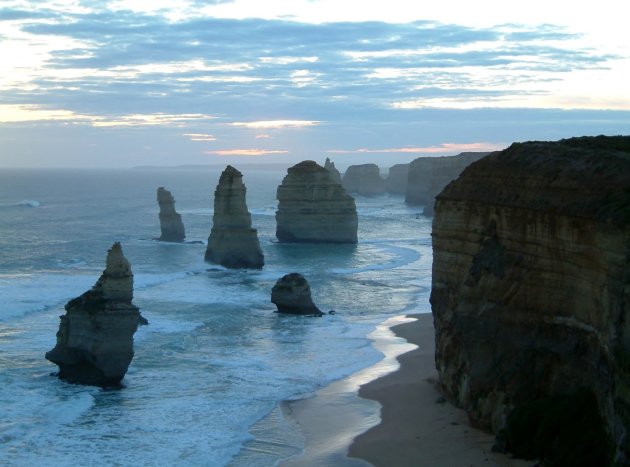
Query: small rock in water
pixel 292 294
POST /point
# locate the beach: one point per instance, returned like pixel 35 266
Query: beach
pixel 416 427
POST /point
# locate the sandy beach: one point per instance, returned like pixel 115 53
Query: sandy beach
pixel 415 427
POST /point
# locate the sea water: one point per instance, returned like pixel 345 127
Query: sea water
pixel 215 358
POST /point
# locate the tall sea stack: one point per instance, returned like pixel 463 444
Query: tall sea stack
pixel 313 208
pixel 95 337
pixel 171 223
pixel 531 297
pixel 330 166
pixel 233 242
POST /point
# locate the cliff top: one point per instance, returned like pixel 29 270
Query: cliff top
pixel 581 177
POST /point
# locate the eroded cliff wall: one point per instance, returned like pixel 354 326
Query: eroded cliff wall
pixel 531 280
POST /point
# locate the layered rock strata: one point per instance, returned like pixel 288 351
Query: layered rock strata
pixel 396 181
pixel 429 175
pixel 95 337
pixel 531 283
pixel 171 223
pixel 292 294
pixel 364 179
pixel 313 208
pixel 334 173
pixel 233 242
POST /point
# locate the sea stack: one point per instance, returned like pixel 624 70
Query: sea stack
pixel 531 294
pixel 396 181
pixel 170 221
pixel 233 242
pixel 313 208
pixel 429 175
pixel 292 294
pixel 330 166
pixel 364 180
pixel 95 337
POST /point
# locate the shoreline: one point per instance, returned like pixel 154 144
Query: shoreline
pixel 391 413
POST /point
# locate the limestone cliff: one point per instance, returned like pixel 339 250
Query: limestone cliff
pixel 312 207
pixel 171 223
pixel 334 173
pixel 95 337
pixel 364 179
pixel 292 294
pixel 531 282
pixel 396 181
pixel 233 242
pixel 429 175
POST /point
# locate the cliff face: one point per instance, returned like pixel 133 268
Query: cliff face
pixel 396 181
pixel 312 207
pixel 171 223
pixel 364 180
pixel 95 337
pixel 531 281
pixel 233 242
pixel 429 175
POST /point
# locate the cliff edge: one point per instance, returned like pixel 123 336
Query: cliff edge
pixel 531 296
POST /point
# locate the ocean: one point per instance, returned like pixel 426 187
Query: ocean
pixel 215 359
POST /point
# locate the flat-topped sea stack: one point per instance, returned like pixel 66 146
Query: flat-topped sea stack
pixel 95 337
pixel 396 181
pixel 171 223
pixel 233 242
pixel 292 294
pixel 364 179
pixel 313 208
pixel 429 175
pixel 330 166
pixel 531 298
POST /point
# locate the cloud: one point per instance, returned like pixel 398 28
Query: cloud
pixel 442 148
pixel 245 152
pixel 276 124
pixel 200 137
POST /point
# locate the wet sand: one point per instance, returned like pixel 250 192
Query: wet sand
pixel 415 427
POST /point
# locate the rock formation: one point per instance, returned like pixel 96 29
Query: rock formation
pixel 170 221
pixel 292 294
pixel 233 242
pixel 95 337
pixel 364 180
pixel 330 166
pixel 429 175
pixel 312 207
pixel 531 292
pixel 396 181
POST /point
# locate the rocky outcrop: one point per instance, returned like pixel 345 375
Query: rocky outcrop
pixel 170 221
pixel 95 337
pixel 233 242
pixel 292 294
pixel 334 173
pixel 313 208
pixel 429 175
pixel 396 181
pixel 364 179
pixel 531 290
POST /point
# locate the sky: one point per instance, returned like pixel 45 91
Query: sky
pixel 124 83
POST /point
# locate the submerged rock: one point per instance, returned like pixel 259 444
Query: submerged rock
pixel 334 173
pixel 364 180
pixel 530 295
pixel 95 337
pixel 313 208
pixel 233 242
pixel 171 223
pixel 292 294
